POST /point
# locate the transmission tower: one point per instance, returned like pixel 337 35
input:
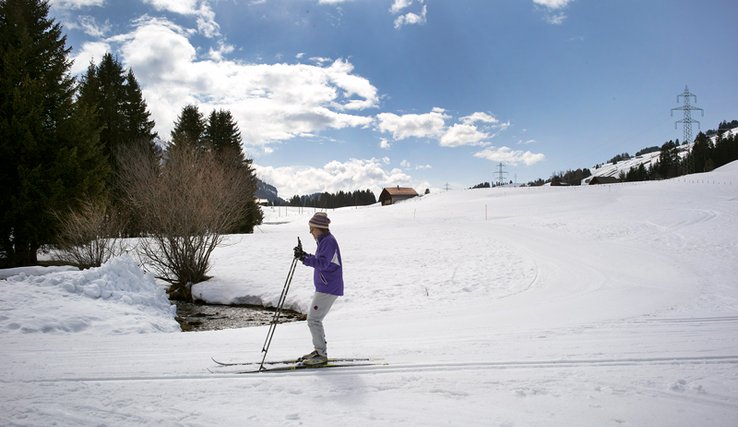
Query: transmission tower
pixel 501 174
pixel 687 108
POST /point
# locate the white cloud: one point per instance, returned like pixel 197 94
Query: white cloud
pixel 319 60
pixel 335 176
pixel 399 5
pixel 206 21
pixel 332 1
pixel 271 102
pixel 429 125
pixel 408 165
pixel 358 92
pixel 90 52
pixel 182 7
pixel 223 49
pixel 556 19
pixel 406 17
pixel 200 9
pixel 475 129
pixel 77 4
pixel 510 156
pixel 552 4
pixel 463 134
pixel 553 14
pixel 384 144
pixel 479 117
pixel 89 25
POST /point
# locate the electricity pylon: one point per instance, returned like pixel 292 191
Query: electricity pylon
pixel 687 108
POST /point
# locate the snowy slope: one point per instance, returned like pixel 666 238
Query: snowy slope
pixel 550 306
pixel 647 160
pixel 614 169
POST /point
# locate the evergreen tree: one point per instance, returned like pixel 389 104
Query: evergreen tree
pixel 121 115
pixel 341 199
pixel 638 173
pixel 120 109
pixel 699 158
pixel 189 128
pixel 221 135
pixel 111 103
pixel 49 148
pixel 726 150
pixel 222 132
pixel 139 126
pixel 669 164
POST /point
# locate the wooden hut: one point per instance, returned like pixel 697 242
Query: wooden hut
pixel 603 180
pixel 391 195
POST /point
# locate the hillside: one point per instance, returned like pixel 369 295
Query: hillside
pixel 615 169
pixel 545 306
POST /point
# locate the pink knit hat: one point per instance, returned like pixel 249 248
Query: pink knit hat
pixel 320 220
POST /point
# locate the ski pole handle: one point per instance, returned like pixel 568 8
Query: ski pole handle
pixel 299 253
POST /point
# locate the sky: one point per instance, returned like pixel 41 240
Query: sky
pixel 346 95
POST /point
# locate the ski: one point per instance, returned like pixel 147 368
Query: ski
pixel 299 366
pixel 291 361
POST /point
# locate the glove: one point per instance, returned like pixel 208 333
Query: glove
pixel 299 253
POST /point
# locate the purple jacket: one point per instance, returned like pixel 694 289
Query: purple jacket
pixel 328 276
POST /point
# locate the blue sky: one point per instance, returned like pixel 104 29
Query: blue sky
pixel 352 94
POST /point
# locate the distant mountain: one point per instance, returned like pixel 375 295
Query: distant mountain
pixel 268 192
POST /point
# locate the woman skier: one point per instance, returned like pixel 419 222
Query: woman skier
pixel 328 281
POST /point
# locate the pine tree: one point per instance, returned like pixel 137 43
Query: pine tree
pixel 49 149
pixel 700 155
pixel 668 165
pixel 139 126
pixel 121 115
pixel 221 134
pixel 111 102
pixel 726 150
pixel 120 110
pixel 189 128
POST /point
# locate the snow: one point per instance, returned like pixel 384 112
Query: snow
pixel 549 306
pixel 116 298
pixel 647 160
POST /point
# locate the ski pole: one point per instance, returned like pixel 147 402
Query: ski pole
pixel 280 304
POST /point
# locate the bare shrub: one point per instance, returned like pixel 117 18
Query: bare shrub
pixel 89 235
pixel 185 205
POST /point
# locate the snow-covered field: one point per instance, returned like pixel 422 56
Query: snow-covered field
pixel 592 306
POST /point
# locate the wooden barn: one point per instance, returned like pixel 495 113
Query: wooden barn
pixel 392 195
pixel 603 180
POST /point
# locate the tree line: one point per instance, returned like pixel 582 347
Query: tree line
pixel 704 156
pixel 335 200
pixel 81 165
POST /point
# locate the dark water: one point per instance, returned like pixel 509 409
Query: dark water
pixel 204 317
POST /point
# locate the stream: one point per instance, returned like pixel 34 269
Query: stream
pixel 205 317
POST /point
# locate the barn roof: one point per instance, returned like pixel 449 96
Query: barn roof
pixel 400 191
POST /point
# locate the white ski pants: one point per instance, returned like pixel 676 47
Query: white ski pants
pixel 320 306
